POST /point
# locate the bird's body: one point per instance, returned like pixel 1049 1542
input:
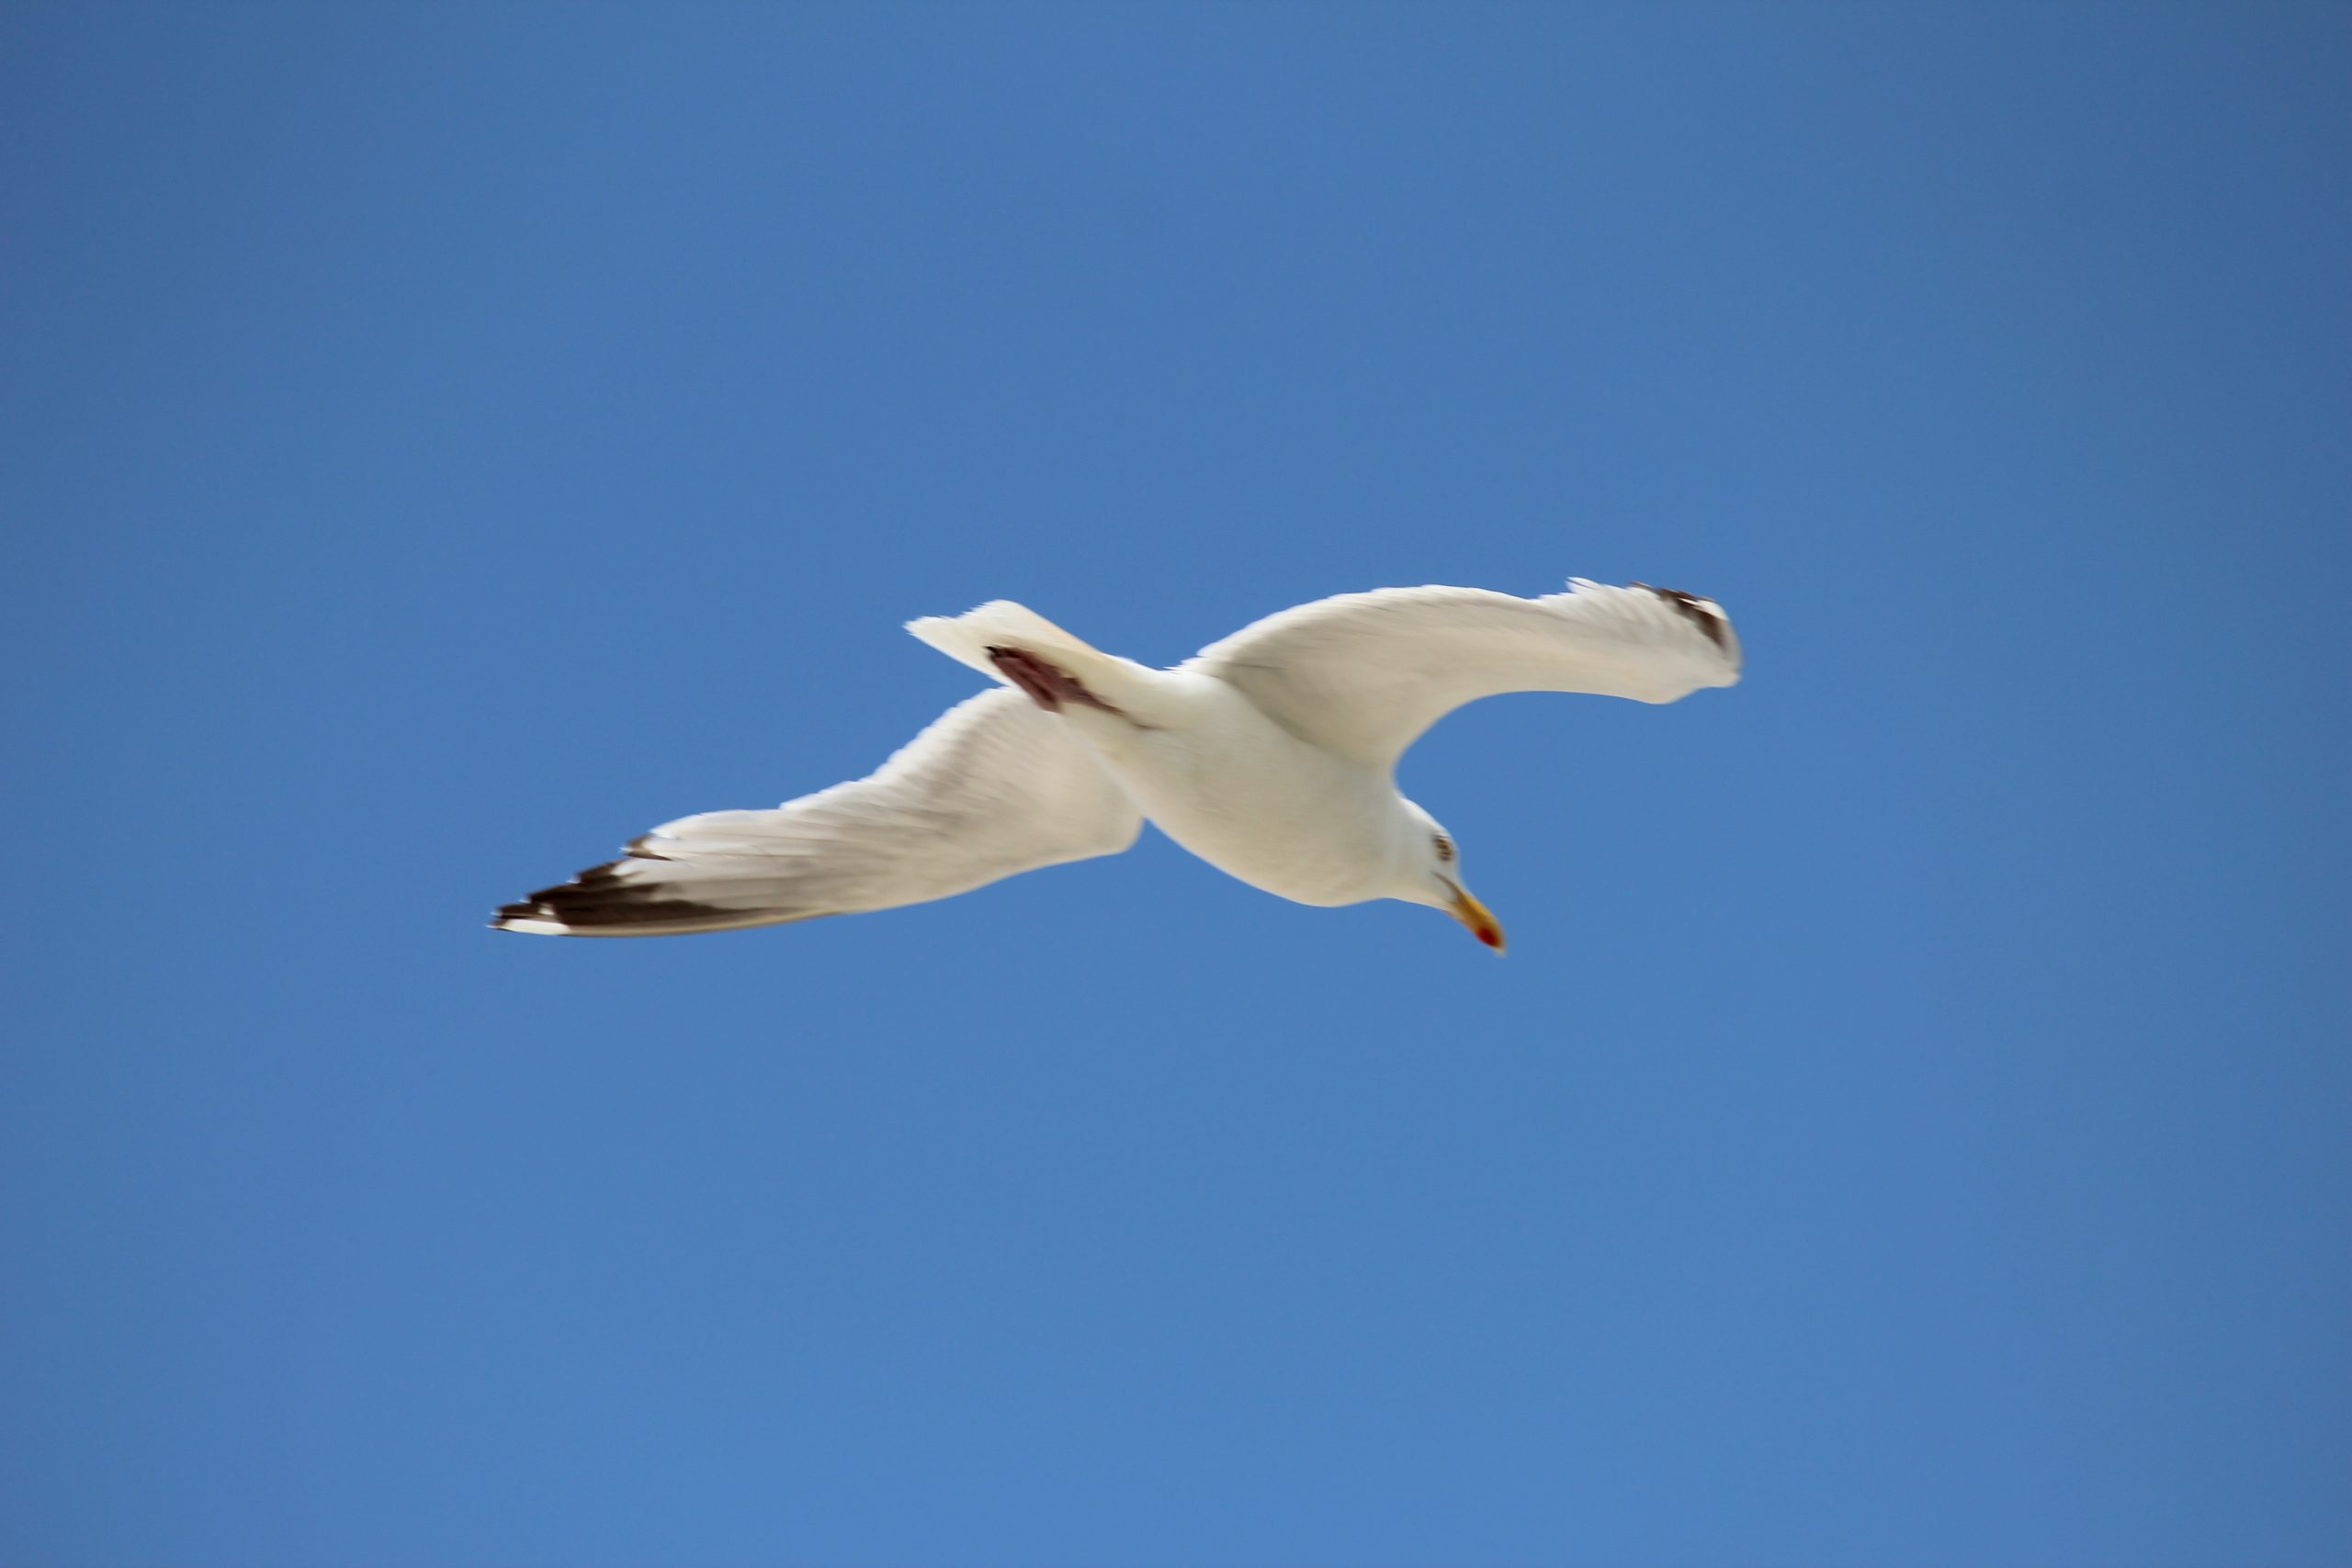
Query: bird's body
pixel 1270 755
pixel 1246 795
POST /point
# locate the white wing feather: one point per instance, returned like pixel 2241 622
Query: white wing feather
pixel 1364 674
pixel 994 786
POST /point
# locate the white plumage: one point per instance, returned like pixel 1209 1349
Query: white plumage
pixel 1269 754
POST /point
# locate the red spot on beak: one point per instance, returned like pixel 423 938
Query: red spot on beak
pixel 1474 917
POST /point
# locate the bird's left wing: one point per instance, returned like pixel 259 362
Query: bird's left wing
pixel 1364 674
pixel 994 786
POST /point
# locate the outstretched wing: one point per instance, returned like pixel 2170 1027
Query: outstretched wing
pixel 994 786
pixel 1364 674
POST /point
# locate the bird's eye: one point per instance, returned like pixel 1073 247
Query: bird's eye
pixel 1444 849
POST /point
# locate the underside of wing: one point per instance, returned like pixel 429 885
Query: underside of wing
pixel 1364 674
pixel 993 787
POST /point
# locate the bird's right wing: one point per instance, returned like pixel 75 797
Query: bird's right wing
pixel 994 786
pixel 1364 674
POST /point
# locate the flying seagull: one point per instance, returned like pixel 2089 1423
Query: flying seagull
pixel 1270 755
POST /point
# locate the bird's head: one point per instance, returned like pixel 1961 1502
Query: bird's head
pixel 1430 871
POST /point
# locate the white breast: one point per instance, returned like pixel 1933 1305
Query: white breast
pixel 1250 798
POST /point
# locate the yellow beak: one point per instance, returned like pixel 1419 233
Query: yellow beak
pixel 1477 917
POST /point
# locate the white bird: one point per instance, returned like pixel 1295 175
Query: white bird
pixel 1270 755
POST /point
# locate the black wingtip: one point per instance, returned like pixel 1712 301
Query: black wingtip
pixel 1696 608
pixel 602 900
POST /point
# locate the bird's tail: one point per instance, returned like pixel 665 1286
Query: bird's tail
pixel 1001 624
pixel 966 639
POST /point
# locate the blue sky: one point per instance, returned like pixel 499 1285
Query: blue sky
pixel 440 442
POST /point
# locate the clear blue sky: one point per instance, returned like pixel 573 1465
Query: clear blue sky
pixel 1910 1127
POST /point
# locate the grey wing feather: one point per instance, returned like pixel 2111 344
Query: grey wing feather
pixel 1364 674
pixel 994 786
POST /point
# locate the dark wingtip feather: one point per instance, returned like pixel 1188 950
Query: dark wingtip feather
pixel 1693 607
pixel 600 900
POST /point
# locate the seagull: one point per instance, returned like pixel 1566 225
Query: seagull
pixel 1270 754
